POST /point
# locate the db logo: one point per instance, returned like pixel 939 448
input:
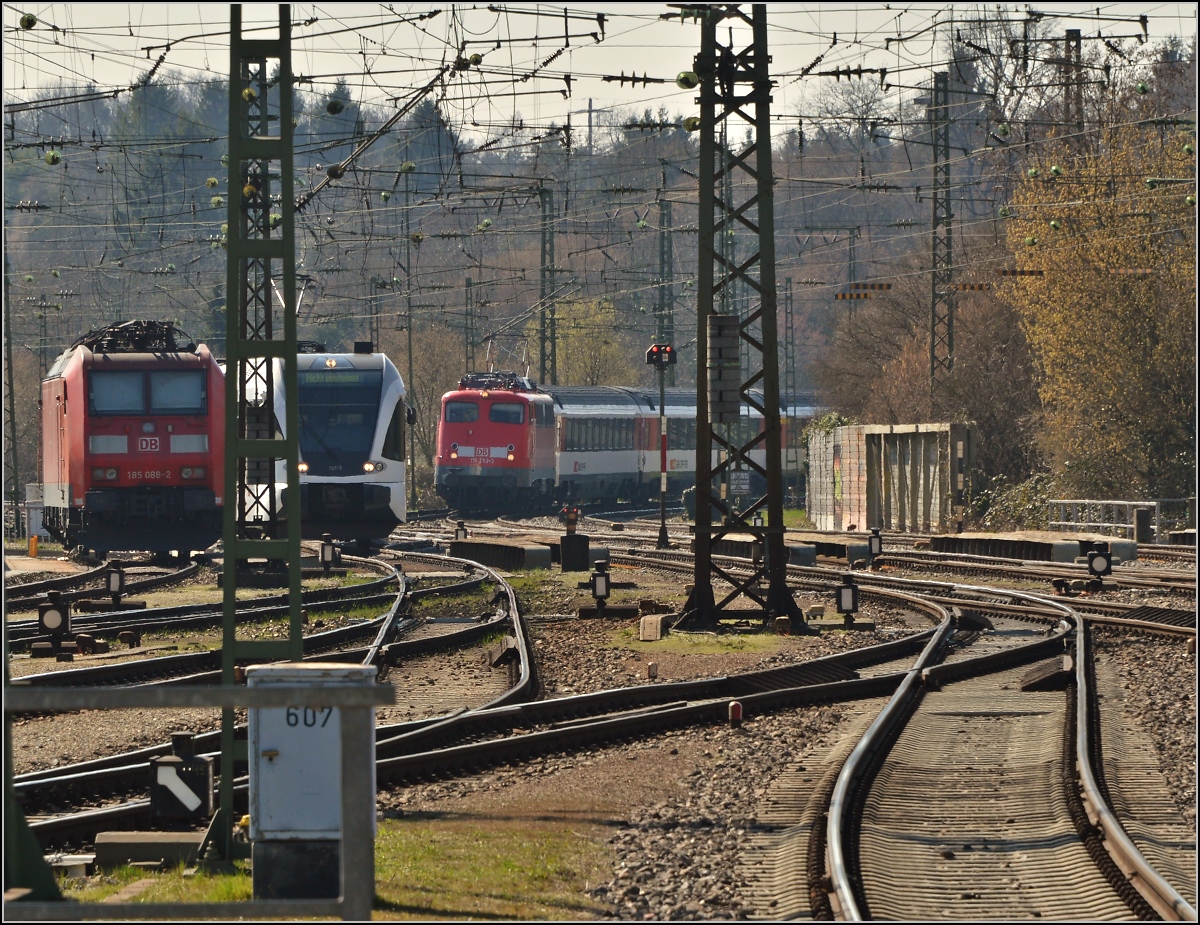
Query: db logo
pixel 148 444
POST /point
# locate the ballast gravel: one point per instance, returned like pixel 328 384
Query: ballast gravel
pixel 1159 677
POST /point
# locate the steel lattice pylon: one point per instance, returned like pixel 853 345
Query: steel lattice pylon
pixel 547 315
pixel 941 328
pixel 260 331
pixel 735 85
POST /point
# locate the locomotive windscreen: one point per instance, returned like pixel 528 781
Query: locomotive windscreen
pixel 177 392
pixel 339 409
pixel 124 392
pixel 111 392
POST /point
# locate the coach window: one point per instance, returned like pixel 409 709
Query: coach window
pixel 393 442
pixel 178 392
pixel 111 392
pixel 507 413
pixel 461 412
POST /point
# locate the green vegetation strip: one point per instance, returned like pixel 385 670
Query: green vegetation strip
pixel 429 866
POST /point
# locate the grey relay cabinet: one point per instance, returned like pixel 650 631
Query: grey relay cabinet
pixel 296 783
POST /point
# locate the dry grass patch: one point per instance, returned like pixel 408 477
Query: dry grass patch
pixel 434 866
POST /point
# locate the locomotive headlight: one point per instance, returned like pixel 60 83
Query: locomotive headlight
pixel 147 427
pixel 511 457
pixel 186 472
pixel 331 362
pixel 510 449
pixel 453 455
pixel 110 474
pixel 199 472
pixel 303 467
pixel 373 467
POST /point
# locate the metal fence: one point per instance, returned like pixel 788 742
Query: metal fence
pixel 1110 518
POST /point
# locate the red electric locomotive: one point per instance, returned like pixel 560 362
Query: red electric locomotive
pixel 133 442
pixel 495 447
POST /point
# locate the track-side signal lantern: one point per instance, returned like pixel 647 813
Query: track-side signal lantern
pixel 54 616
pixel 1099 562
pixel 115 579
pixel 327 551
pixel 847 597
pixel 660 355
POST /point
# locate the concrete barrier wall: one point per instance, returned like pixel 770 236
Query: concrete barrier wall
pixel 913 478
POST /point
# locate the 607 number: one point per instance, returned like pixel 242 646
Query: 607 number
pixel 307 717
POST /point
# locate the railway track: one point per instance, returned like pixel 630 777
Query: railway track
pixel 28 596
pixel 122 775
pixel 999 601
pixel 510 730
pixel 1122 578
pixel 963 801
pixel 22 633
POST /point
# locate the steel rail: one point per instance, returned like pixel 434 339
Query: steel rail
pixel 42 585
pixel 26 601
pixel 186 616
pixel 879 735
pixel 1165 900
pixel 855 768
pixel 210 661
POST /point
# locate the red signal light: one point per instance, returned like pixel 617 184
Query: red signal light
pixel 660 355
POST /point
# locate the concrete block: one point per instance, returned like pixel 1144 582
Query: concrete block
pixel 856 551
pixel 116 848
pixel 802 554
pixel 1123 550
pixel 41 650
pixel 509 557
pixel 1064 551
pixel 652 628
pixel 71 865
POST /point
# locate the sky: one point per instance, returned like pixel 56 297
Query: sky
pixel 385 51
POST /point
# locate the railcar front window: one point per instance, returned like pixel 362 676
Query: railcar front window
pixel 338 412
pixel 111 392
pixel 507 413
pixel 178 392
pixel 461 412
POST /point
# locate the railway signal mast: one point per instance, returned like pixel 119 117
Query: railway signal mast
pixel 662 358
pixel 735 84
pixel 259 331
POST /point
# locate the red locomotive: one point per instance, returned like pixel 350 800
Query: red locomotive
pixel 495 445
pixel 133 441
